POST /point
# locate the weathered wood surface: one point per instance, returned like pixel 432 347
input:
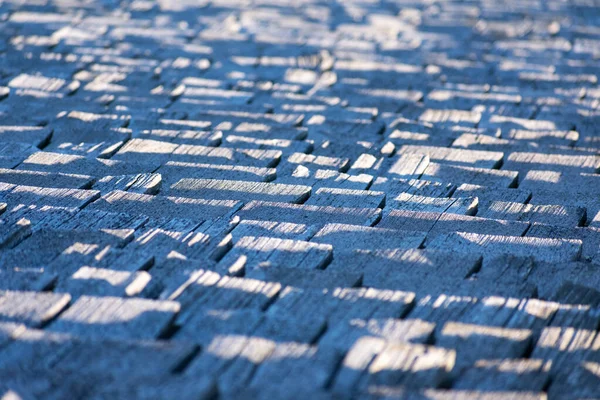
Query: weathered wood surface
pixel 277 199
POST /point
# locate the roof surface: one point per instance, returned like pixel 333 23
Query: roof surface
pixel 300 199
